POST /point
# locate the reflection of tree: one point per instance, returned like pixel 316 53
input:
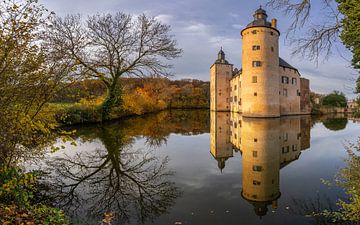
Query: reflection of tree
pixel 314 208
pixel 131 183
pixel 335 123
pixel 343 211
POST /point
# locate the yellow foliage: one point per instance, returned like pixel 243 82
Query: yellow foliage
pixel 140 101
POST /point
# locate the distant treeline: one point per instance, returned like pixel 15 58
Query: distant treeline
pixel 138 95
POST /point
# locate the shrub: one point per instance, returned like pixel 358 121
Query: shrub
pixel 17 200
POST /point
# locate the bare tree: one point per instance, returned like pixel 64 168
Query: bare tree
pixel 108 47
pixel 320 38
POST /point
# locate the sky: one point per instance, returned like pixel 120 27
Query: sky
pixel 201 27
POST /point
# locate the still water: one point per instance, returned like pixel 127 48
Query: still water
pixel 196 167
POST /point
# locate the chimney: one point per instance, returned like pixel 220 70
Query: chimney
pixel 273 23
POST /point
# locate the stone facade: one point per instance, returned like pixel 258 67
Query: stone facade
pixel 266 86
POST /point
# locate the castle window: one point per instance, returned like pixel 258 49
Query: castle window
pixel 285 150
pixel 219 93
pixel 235 88
pixel 235 98
pixel 271 33
pixel 284 80
pixel 285 92
pixel 294 148
pixel 240 101
pixel 235 136
pixel 253 32
pixel 272 49
pixel 240 123
pixel 298 92
pixel 255 93
pixel 293 81
pixel 257 168
pixel 256 182
pixel 256 64
pixel 255 139
pixel 235 125
pixel 256 47
pixel 255 154
pixel 285 136
pixel 254 79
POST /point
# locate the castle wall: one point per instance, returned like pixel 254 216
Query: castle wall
pixel 289 92
pixel 235 96
pixel 260 98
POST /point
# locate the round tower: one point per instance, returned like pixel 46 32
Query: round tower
pixel 260 67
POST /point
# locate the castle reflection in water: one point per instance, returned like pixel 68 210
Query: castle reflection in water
pixel 266 146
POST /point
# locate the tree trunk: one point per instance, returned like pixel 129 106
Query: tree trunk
pixel 113 99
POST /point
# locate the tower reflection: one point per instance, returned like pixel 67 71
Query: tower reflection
pixel 266 146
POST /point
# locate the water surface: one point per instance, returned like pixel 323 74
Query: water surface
pixel 190 167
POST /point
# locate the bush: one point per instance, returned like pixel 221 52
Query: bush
pixel 17 200
pixel 79 114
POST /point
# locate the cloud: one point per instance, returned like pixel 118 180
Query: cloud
pixel 238 26
pixel 164 18
pixel 235 15
pixel 197 28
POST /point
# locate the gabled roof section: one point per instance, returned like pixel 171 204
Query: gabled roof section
pixel 283 63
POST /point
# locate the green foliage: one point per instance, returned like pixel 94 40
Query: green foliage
pixel 78 114
pixel 349 179
pixel 335 99
pixel 17 200
pixel 350 33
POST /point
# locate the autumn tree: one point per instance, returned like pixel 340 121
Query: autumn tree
pixel 108 47
pixel 29 76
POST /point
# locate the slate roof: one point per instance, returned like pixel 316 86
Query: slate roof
pixel 283 63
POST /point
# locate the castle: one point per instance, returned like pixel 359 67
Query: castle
pixel 266 86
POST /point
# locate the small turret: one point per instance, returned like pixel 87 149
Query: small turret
pixel 221 57
pixel 260 19
pixel 260 14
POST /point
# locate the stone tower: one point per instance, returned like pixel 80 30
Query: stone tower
pixel 220 75
pixel 260 67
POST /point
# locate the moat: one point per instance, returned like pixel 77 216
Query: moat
pixel 190 167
